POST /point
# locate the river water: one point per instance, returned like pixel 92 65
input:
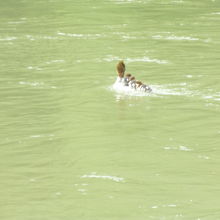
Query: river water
pixel 72 148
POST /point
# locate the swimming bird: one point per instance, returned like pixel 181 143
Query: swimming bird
pixel 129 80
pixel 121 72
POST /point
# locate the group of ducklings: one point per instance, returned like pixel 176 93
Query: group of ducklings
pixel 130 81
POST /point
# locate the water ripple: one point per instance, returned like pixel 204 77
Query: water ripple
pixel 94 175
pixel 111 58
pixel 81 36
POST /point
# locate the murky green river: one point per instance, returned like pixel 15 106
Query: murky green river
pixel 72 148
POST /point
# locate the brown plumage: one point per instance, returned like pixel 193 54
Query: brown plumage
pixel 129 80
pixel 128 75
pixel 121 69
pixel 139 83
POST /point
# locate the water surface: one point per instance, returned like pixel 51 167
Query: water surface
pixel 73 148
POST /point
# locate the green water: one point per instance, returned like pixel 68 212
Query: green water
pixel 71 148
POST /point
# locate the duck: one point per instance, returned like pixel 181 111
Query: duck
pixel 127 80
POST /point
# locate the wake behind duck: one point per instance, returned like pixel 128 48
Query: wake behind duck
pixel 127 83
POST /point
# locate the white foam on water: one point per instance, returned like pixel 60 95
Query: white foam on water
pixel 48 37
pixel 146 59
pixel 178 1
pixel 31 83
pixel 130 1
pixel 36 136
pixel 32 38
pixel 128 37
pixel 181 90
pixel 180 38
pixel 55 61
pixel 157 90
pixel 212 97
pixel 42 135
pixel 58 193
pixel 16 22
pixel 181 148
pixel 36 84
pixel 34 68
pixel 216 13
pixel 204 157
pixel 164 206
pixel 82 190
pixel 111 58
pixel 173 37
pixel 154 207
pixel 8 38
pixel 83 36
pixel 184 148
pixel 124 1
pixel 106 177
pixel 126 90
pixel 160 91
pixel 116 26
pixel 22 20
pixel 170 205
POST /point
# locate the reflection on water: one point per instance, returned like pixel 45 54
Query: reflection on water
pixel 74 147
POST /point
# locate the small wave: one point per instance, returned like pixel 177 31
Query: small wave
pixel 157 90
pixel 32 38
pixel 178 1
pixel 41 135
pixel 16 22
pixel 128 37
pixel 94 175
pixel 8 38
pixel 129 1
pixel 34 68
pixel 215 97
pixel 55 61
pixel 173 37
pixel 166 90
pixel 48 37
pixel 164 206
pixel 126 90
pixel 146 59
pixel 203 157
pixel 216 13
pixel 180 89
pixel 181 148
pixel 82 36
pixel 21 21
pixel 37 84
pixel 111 58
pixel 31 83
pixel 82 190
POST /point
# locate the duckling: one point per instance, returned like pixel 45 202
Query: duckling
pixel 132 82
pixel 145 88
pixel 138 85
pixel 127 77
